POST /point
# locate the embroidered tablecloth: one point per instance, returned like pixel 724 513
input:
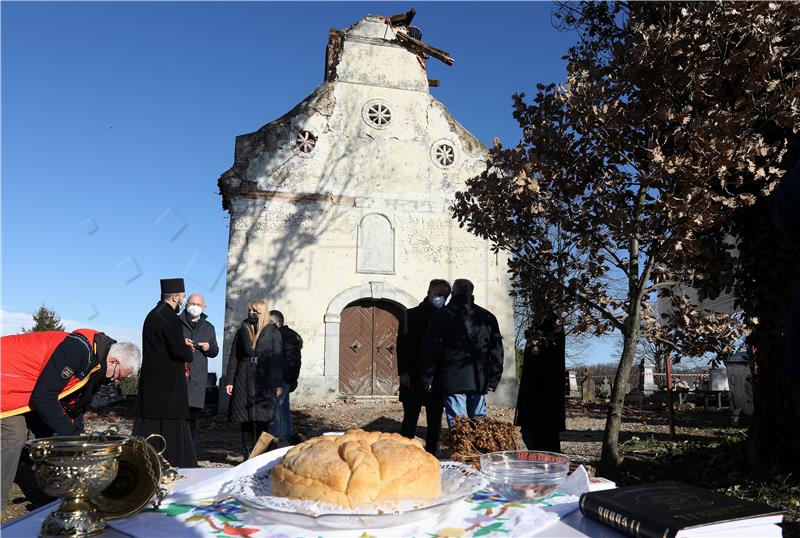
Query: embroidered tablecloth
pixel 204 510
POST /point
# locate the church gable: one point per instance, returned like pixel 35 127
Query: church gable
pixel 340 211
pixel 373 125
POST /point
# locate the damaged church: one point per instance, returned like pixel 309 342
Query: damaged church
pixel 339 213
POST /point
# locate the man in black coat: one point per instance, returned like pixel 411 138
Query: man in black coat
pixel 292 342
pixel 413 394
pixel 162 405
pixel 200 332
pixel 541 411
pixel 462 354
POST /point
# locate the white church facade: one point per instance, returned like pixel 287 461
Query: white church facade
pixel 339 214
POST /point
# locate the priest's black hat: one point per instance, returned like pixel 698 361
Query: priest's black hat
pixel 172 285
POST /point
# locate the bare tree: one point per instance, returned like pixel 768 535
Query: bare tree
pixel 621 171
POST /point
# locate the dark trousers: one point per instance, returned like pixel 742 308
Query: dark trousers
pixel 434 408
pixel 194 425
pixel 13 434
pixel 281 426
pixel 251 431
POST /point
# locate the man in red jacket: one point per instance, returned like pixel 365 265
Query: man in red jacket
pixel 51 377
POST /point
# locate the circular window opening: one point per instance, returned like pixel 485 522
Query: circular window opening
pixel 444 154
pixel 377 113
pixel 305 141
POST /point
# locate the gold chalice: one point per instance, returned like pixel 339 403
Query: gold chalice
pixel 75 468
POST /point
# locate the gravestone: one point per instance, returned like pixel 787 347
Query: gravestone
pixel 740 383
pixel 604 390
pixel 572 384
pixel 718 379
pixel 646 378
pixel 588 393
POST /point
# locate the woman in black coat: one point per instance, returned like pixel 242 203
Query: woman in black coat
pixel 254 374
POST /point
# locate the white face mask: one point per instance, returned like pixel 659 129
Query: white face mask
pixel 194 310
pixel 438 301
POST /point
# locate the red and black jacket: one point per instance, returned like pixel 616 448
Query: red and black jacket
pixel 53 373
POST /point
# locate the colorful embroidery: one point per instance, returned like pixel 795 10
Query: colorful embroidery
pixel 485 514
pixel 207 512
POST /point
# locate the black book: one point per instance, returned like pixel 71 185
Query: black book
pixel 673 509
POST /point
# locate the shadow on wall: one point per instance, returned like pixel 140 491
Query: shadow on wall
pixel 267 276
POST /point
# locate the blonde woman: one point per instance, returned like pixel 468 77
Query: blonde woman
pixel 255 374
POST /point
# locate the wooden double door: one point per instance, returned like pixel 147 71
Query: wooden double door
pixel 368 348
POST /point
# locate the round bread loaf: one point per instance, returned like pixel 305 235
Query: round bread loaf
pixel 357 467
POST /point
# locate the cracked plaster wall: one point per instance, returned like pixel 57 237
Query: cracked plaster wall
pixel 296 245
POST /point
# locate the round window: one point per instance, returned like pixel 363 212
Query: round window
pixel 377 113
pixel 443 153
pixel 305 141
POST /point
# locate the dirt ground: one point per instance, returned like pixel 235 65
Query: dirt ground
pixel 220 444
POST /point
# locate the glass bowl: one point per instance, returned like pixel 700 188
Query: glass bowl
pixel 524 475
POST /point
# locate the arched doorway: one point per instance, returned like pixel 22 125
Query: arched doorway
pixel 367 348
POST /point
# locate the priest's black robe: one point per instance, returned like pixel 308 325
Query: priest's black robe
pixel 162 406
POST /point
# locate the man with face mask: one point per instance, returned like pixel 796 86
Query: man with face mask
pixel 48 379
pixel 162 405
pixel 199 331
pixel 413 393
pixel 462 354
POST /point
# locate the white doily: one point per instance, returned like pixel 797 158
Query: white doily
pixel 254 491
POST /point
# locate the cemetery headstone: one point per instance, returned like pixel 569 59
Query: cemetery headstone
pixel 588 387
pixel 647 381
pixel 572 385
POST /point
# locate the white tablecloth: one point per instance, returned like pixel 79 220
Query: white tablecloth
pixel 198 507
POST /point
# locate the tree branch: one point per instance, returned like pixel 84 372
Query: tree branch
pixel 571 292
pixel 661 285
pixel 669 343
pixel 622 266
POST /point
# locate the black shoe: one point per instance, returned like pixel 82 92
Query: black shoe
pixel 297 438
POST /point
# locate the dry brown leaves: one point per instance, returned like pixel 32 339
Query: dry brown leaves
pixel 471 437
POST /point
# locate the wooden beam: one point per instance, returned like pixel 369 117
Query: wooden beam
pixel 427 49
pixel 403 19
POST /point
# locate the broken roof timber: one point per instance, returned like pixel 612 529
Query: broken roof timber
pixel 441 55
pixel 403 19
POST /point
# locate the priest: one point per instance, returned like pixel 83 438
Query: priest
pixel 162 406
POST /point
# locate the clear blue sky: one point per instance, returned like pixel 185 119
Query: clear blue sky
pixel 118 118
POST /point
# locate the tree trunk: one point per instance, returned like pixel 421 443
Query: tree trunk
pixel 774 438
pixel 611 456
pixel 763 438
pixel 767 278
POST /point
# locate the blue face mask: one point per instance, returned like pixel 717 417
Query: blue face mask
pixel 438 301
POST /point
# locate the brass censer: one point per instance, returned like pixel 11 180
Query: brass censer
pixel 100 476
pixel 74 468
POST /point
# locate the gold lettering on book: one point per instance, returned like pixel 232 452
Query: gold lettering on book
pixel 619 522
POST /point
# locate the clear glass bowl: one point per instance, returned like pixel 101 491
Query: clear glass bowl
pixel 524 475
